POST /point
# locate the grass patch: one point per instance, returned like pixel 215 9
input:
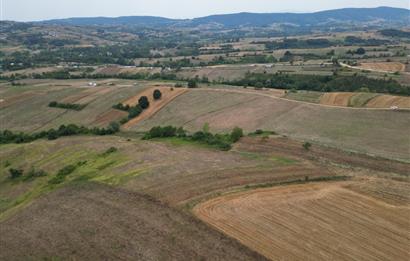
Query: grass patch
pixel 283 160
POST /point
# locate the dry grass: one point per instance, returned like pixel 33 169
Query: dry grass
pixel 384 66
pixel 337 98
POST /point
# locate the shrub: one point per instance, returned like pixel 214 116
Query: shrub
pixel 33 173
pixel 192 83
pixel 121 107
pixel 110 150
pixel 68 106
pixel 62 173
pixel 307 145
pixel 15 173
pixel 134 112
pixel 157 95
pixel 114 126
pixel 143 102
pixel 236 134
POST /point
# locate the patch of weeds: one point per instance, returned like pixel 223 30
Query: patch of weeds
pixel 106 165
pixel 62 173
pixel 15 173
pixel 282 160
pixel 109 151
pixel 262 133
pixel 33 173
pixel 7 164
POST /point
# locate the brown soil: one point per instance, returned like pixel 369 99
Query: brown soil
pixel 112 115
pixel 168 94
pixel 97 222
pixel 387 101
pixel 312 222
pixel 336 98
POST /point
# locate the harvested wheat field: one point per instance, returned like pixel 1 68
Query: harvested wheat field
pixel 384 66
pixel 312 222
pixel 337 98
pixel 168 94
pixel 387 101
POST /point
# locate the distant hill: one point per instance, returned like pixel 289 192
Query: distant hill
pixel 381 15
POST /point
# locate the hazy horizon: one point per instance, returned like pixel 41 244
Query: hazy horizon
pixel 25 10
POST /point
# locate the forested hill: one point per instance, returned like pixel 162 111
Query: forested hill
pixel 381 15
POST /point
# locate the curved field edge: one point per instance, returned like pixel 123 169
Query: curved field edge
pixel 278 221
pixel 376 132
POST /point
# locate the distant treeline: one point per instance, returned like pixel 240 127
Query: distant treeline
pixel 321 83
pixel 395 33
pixel 8 136
pixel 279 80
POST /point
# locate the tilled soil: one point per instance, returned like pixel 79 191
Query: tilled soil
pixel 97 222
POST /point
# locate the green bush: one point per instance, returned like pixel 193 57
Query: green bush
pixel 157 95
pixel 33 173
pixel 236 134
pixel 143 102
pixel 68 106
pixel 307 145
pixel 15 173
pixel 62 173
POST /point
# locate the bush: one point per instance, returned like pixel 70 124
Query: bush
pixel 134 112
pixel 68 106
pixel 192 83
pixel 307 145
pixel 33 173
pixel 110 150
pixel 15 173
pixel 121 107
pixel 62 173
pixel 114 126
pixel 143 102
pixel 157 95
pixel 236 134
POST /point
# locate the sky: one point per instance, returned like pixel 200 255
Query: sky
pixel 35 10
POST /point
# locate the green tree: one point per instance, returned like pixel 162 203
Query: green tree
pixel 143 102
pixel 157 95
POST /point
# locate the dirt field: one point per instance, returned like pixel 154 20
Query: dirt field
pixel 337 98
pixel 94 222
pixel 168 94
pixel 313 221
pixel 384 66
pixel 353 129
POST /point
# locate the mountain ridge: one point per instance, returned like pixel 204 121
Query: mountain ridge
pixel 359 15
